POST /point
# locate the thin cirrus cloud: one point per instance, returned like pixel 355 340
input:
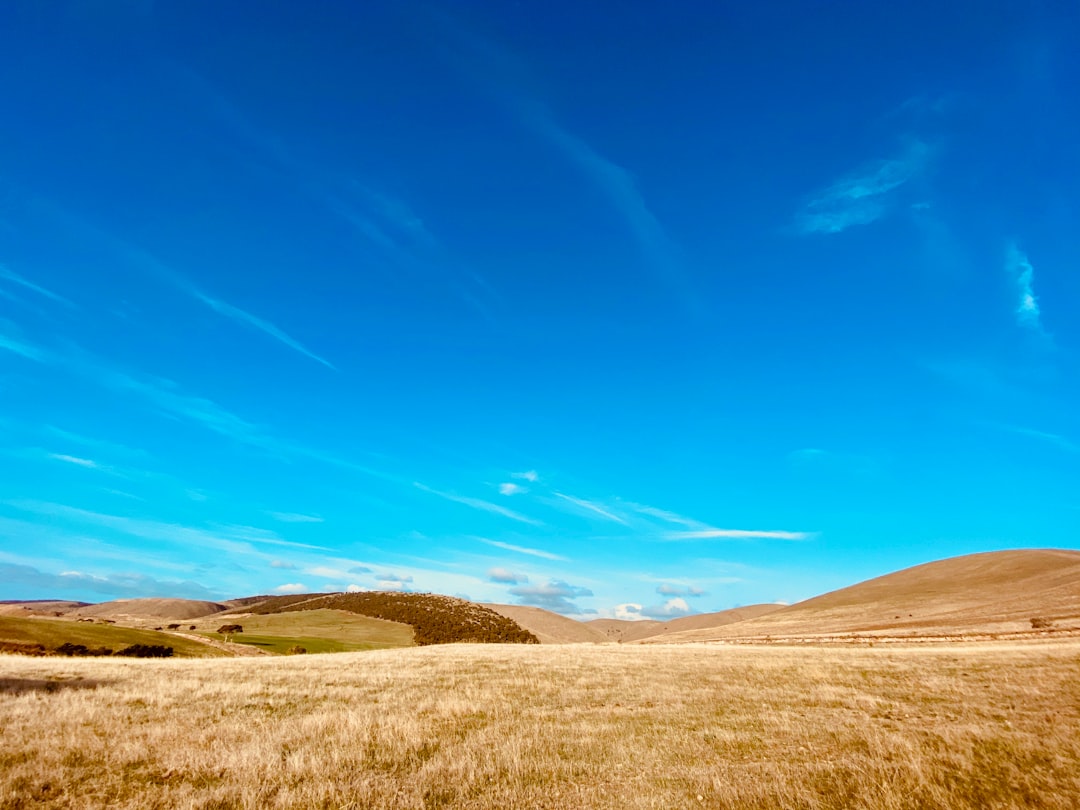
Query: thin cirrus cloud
pixel 10 276
pixel 737 534
pixel 592 508
pixel 78 462
pixel 152 266
pixel 480 504
pixel 863 196
pixel 19 346
pixel 232 538
pixel 532 552
pixel 295 517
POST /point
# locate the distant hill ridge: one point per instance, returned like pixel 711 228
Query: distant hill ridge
pixel 992 593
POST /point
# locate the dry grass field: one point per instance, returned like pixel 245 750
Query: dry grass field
pixel 506 726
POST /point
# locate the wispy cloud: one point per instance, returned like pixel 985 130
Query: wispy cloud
pixel 17 345
pixel 232 538
pixel 482 505
pixel 737 534
pixel 533 552
pixel 1022 275
pixel 10 276
pixel 619 186
pixel 863 196
pixel 79 462
pixel 1059 441
pixel 592 508
pixel 150 265
pixel 119 585
pixel 245 317
pixel 510 488
pixel 666 516
pixel 295 517
pixel 669 589
pixel 532 476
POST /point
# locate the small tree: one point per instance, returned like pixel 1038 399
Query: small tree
pixel 228 630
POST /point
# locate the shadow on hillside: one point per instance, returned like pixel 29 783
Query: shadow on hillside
pixel 22 686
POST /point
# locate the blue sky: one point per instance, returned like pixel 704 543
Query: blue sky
pixel 632 314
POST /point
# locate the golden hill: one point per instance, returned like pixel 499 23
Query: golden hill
pixel 988 593
pixel 550 628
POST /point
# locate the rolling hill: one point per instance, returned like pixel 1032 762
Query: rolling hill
pixel 550 628
pixel 179 609
pixel 989 593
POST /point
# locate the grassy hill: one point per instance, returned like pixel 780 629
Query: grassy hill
pixel 990 593
pixel 317 631
pixel 51 633
pixel 434 619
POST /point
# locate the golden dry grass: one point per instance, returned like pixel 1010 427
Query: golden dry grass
pixel 586 726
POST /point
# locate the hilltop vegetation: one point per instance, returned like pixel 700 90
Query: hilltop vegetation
pixel 434 619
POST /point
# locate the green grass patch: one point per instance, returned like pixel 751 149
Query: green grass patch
pixel 51 633
pixel 317 631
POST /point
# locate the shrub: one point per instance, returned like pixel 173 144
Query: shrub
pixel 1041 623
pixel 67 648
pixel 147 651
pixel 296 649
pixel 229 629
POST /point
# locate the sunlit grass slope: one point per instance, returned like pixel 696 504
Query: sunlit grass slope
pixel 317 631
pixel 526 726
pixel 51 633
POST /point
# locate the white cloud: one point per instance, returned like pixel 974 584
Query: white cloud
pixel 529 475
pixel 1023 276
pixel 282 564
pixel 863 196
pixel 628 612
pixel 672 608
pixel 291 587
pixel 511 489
pixel 737 534
pixel 354 588
pixel 505 575
pixel 482 505
pixel 295 517
pixel 535 552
